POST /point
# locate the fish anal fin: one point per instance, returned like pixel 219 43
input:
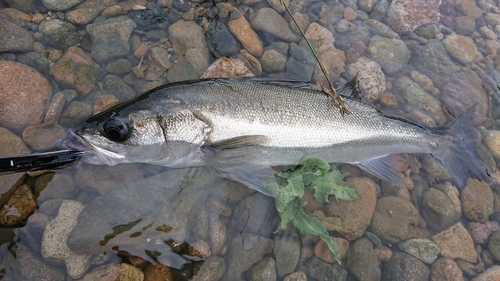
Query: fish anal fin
pixel 383 167
pixel 238 142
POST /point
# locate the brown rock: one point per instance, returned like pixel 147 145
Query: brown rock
pixel 82 16
pixel 446 269
pixel 217 234
pixel 350 14
pixel 255 66
pixel 492 142
pixel 423 80
pixel 212 269
pixel 371 78
pixel 107 272
pixel 356 50
pixel 469 8
pixel 383 253
pixel 491 274
pixel 199 249
pixel 404 16
pixel 477 200
pixel 141 51
pixel 296 276
pixel 389 100
pixel 227 67
pixel 112 11
pixel 462 48
pixel 76 70
pixel 20 205
pixel 8 185
pixel 394 219
pixel 128 272
pixel 24 95
pixel 104 102
pixel 154 272
pixel 456 243
pixel 55 108
pixel 322 251
pixel 353 217
pixel 481 231
pixel 43 137
pixel 241 28
pixel 11 144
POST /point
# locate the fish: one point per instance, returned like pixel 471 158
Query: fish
pixel 239 128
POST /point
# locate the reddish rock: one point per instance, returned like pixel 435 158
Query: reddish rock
pixel 227 67
pixel 456 243
pixel 322 251
pixel 405 16
pixel 481 231
pixel 24 96
pixel 469 8
pixel 19 207
pixel 76 70
pixel 446 269
pixel 241 28
pixel 350 14
pixel 104 102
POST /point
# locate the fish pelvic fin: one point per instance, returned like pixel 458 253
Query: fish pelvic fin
pixel 241 163
pixel 383 167
pixel 461 157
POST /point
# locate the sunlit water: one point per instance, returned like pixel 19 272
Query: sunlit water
pixel 143 214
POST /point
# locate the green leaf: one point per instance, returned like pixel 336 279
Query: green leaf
pixel 332 183
pixel 333 246
pixel 288 213
pixel 313 168
pixel 293 189
pixel 296 185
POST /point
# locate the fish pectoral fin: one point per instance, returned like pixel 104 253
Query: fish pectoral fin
pixel 383 167
pixel 242 165
pixel 238 142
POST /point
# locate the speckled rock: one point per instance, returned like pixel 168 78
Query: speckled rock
pixel 272 61
pixel 362 262
pixel 82 16
pixel 55 235
pixel 76 70
pixel 446 269
pixel 405 16
pixel 439 210
pixel 212 269
pixel 403 267
pixel 371 78
pixel 242 30
pixel 456 242
pixel 154 272
pixel 469 8
pixel 394 219
pixel 11 144
pixel 58 5
pixel 462 48
pixel 24 96
pixel 296 276
pixel 491 274
pixel 14 37
pixel 110 38
pixel 20 205
pixel 129 272
pixel 477 200
pixel 227 67
pixel 352 218
pixel 59 34
pixel 263 270
pixel 268 20
pixel 392 54
pixel 43 137
pixel 380 29
pixel 481 231
pixel 423 249
pixel 315 269
pixel 37 269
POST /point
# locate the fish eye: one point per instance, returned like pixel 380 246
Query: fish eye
pixel 116 130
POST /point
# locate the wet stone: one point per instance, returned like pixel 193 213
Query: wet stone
pixel 150 18
pixel 456 242
pixel 242 30
pixel 322 251
pixel 315 269
pixel 212 269
pixel 462 48
pixel 58 34
pixel 362 262
pixel 392 54
pixel 296 276
pixel 491 274
pixel 161 56
pixel 75 112
pixel 36 60
pixel 119 67
pixel 11 144
pixel 111 11
pixel 438 210
pixel 494 245
pixel 154 272
pixel 107 272
pixel 405 16
pixel 423 249
pixel 37 269
pixel 446 269
pixel 287 253
pixel 263 270
pixel 371 78
pixel 465 25
pixel 477 200
pixel 245 250
pixel 269 21
pixel 43 137
pixel 216 234
pixel 115 85
pixel 19 206
pixel 76 70
pixel 227 67
pixel 272 61
pixel 55 186
pixel 82 16
pixel 300 66
pixel 220 41
pixel 104 102
pixel 14 38
pixel 127 272
pixel 330 14
pixel 381 29
pixel 110 38
pixel 57 5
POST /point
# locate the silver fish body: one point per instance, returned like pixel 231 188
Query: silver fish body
pixel 241 127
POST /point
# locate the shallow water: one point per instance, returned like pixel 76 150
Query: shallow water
pixel 189 224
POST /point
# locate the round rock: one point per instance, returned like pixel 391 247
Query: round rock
pixel 24 96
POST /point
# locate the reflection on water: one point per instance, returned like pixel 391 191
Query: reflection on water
pixel 427 61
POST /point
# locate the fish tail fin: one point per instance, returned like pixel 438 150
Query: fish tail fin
pixel 461 157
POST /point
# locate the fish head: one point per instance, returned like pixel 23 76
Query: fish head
pixel 118 137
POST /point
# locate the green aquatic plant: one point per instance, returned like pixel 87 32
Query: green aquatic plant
pixel 325 180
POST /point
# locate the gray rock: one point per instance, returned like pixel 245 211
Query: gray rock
pixel 433 60
pixel 342 26
pixel 75 112
pixel 11 144
pixel 43 137
pixel 190 47
pixel 392 54
pixel 115 85
pixel 37 269
pixel 423 249
pixel 269 21
pixel 418 98
pixel 161 56
pixel 345 40
pixel 287 253
pixel 362 262
pixel 153 17
pixel 494 245
pixel 119 67
pixel 60 5
pixel 296 276
pixel 110 38
pixel 438 210
pixel 220 41
pixel 300 66
pixel 253 214
pixel 381 29
pixel 446 269
pixel 14 38
pixel 61 186
pixel 380 10
pixel 27 6
pixel 212 269
pixel 35 60
pixel 317 270
pixel 367 5
pixel 272 61
pixel 245 250
pixel 465 25
pixel 265 270
pixel 428 31
pixel 331 13
pixel 58 34
pixel 403 267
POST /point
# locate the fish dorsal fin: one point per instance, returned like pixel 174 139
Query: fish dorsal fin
pixel 238 142
pixel 352 90
pixel 284 82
